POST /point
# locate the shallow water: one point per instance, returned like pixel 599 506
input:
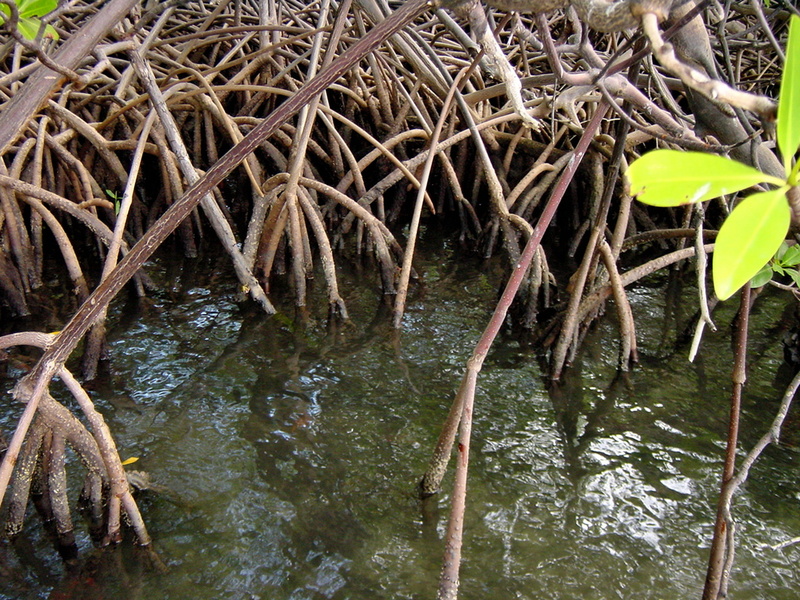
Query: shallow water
pixel 289 452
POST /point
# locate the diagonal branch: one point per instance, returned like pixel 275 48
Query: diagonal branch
pixel 699 81
pixel 464 401
pixel 57 353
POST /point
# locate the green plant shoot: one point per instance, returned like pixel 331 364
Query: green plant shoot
pixel 29 12
pixel 756 228
pixel 116 198
pixel 783 263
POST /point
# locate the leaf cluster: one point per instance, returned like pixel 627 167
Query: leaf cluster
pixel 783 263
pixel 756 228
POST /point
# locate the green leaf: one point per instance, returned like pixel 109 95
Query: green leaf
pixel 791 256
pixel 795 275
pixel 36 8
pixel 789 100
pixel 763 277
pixel 28 27
pixel 29 11
pixel 748 238
pixel 673 178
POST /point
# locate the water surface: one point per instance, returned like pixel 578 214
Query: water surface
pixel 289 451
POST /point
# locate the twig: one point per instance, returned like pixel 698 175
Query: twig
pixel 699 81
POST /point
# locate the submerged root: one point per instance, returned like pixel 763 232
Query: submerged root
pixel 171 91
pixel 40 471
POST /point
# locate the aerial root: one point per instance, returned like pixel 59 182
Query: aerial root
pixel 40 471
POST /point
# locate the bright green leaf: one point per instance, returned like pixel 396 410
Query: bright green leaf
pixel 763 277
pixel 748 238
pixel 789 100
pixel 29 11
pixel 36 8
pixel 29 27
pixel 673 178
pixel 795 275
pixel 50 32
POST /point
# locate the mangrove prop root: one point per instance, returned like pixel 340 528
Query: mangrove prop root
pixel 448 580
pixel 721 551
pixel 70 163
pixel 96 450
pixel 57 353
pixel 212 210
pixel 40 85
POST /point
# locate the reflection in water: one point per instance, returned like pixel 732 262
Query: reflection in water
pixel 291 452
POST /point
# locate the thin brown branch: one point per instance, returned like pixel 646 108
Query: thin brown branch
pixel 722 549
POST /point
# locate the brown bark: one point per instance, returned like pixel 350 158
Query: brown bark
pixel 25 103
